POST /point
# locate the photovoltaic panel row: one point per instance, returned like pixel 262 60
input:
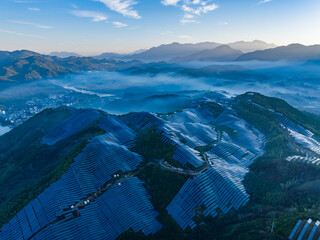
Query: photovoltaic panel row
pixel 122 207
pixel 117 131
pixel 79 120
pixel 209 189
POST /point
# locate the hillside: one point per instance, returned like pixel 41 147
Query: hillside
pixel 221 53
pixel 20 66
pixel 234 155
pixel 169 51
pixel 255 45
pixel 293 52
pixel 64 54
pixel 176 50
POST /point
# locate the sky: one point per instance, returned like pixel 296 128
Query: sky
pixel 91 27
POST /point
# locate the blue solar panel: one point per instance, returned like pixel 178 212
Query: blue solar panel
pixel 75 123
pixel 117 131
pixel 209 189
pixel 304 229
pixel 295 229
pixel 100 160
pixel 313 231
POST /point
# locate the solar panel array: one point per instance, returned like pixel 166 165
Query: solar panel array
pixel 304 159
pixel 120 208
pixel 141 120
pixel 219 187
pixel 308 230
pixel 302 136
pixel 117 131
pixel 209 189
pixel 79 120
pixel 287 123
pixel 232 154
pixel 183 154
pixel 99 160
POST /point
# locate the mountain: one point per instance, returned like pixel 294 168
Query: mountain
pixel 111 55
pixel 255 45
pixel 118 55
pixel 293 52
pixel 221 53
pixel 19 66
pixel 30 68
pixel 169 51
pixel 6 56
pixel 241 163
pixel 166 52
pixel 64 54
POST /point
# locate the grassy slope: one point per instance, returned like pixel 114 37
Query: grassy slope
pixel 28 167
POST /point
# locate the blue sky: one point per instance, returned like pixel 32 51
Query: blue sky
pixel 95 26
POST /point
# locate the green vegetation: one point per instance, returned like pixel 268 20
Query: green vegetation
pixel 231 132
pixel 28 167
pixel 215 108
pixel 307 120
pixel 150 145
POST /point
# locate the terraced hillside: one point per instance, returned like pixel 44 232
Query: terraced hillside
pixel 198 172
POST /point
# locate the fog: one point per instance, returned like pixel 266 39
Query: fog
pixel 120 93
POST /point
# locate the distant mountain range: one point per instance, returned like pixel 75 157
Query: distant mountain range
pixel 25 65
pixel 19 66
pixel 293 52
pixel 175 50
pixel 64 54
pixel 221 53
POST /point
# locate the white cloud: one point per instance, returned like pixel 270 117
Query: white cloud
pixel 75 6
pixel 31 24
pixel 166 33
pixel 170 2
pixel 192 8
pixel 185 37
pixel 95 16
pixel 185 20
pixel 125 7
pixel 223 23
pixel 119 24
pixel 20 34
pixel 34 9
pixel 264 1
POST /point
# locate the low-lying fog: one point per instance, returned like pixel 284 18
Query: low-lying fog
pixel 120 93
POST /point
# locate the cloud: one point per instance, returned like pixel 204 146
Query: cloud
pixel 192 8
pixel 166 33
pixel 95 16
pixel 119 24
pixel 34 9
pixel 223 23
pixel 185 37
pixel 170 2
pixel 31 24
pixel 75 6
pixel 186 20
pixel 264 1
pixel 124 7
pixel 20 34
